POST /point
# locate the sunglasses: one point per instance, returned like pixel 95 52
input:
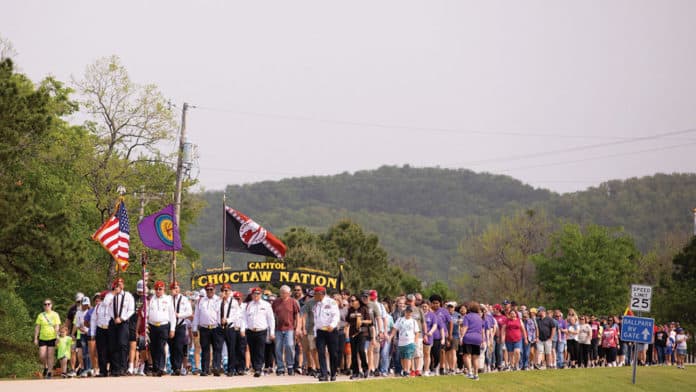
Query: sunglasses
pixel 209 289
pixel 298 290
pixel 48 304
pixel 224 290
pixel 160 289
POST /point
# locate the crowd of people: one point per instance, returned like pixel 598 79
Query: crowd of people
pixel 308 332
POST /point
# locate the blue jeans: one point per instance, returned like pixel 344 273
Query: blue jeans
pixel 384 356
pixel 85 352
pixel 285 342
pixel 560 349
pixel 525 354
pixel 498 352
pixel 660 354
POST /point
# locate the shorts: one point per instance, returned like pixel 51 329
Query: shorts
pixel 407 351
pixel 512 346
pixel 641 347
pixel 454 346
pixel 47 343
pixel 668 350
pixel 544 347
pixel 132 337
pixel 141 344
pixel 312 342
pixel 419 349
pixel 472 349
pixel 681 351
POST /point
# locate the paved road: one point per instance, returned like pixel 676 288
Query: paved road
pixel 151 384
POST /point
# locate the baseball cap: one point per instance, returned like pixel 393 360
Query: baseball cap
pixel 373 294
pixel 85 301
pixel 497 307
pixel 542 309
pixel 79 296
pixel 506 302
pixel 140 286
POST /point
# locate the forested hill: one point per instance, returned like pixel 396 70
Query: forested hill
pixel 421 215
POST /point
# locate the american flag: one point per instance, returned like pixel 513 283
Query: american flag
pixel 114 235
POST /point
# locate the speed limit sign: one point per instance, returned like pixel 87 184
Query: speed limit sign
pixel 640 298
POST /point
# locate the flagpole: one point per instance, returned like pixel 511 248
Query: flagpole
pixel 224 233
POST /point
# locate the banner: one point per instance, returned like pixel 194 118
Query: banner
pixel 242 234
pixel 268 272
pixel 160 230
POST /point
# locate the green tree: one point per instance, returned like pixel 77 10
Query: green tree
pixel 679 300
pixel 590 270
pixel 129 122
pixel 502 255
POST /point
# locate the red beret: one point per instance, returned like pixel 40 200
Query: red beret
pixel 209 286
pixel 116 282
pixel 159 284
pixel 256 290
pixel 227 286
pixel 236 294
pixel 173 285
pixel 319 289
pixel 373 294
pixel 103 294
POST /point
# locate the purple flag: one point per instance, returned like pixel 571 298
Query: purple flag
pixel 160 231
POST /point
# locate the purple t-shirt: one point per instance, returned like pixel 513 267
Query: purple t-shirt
pixel 443 319
pixel 562 324
pixel 430 319
pixel 474 325
pixel 489 323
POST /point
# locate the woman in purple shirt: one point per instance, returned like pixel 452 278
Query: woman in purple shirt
pixel 472 338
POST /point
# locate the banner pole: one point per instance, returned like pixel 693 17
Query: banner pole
pixel 224 233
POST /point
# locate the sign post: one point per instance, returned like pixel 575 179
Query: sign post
pixel 638 330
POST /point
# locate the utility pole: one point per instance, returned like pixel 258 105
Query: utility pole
pixel 179 183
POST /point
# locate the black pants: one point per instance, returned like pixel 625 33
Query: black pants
pixel 573 349
pixel 257 348
pixel 211 337
pixel 231 338
pixel 585 352
pixel 102 340
pixel 158 338
pixel 269 355
pixel 177 346
pixel 357 348
pixel 118 347
pixel 435 353
pixel 327 340
pixel 241 352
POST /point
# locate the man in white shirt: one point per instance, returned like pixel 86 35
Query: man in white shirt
pixel 260 323
pixel 182 310
pixel 99 330
pixel 326 318
pixel 161 321
pixel 121 306
pixel 206 320
pixel 231 321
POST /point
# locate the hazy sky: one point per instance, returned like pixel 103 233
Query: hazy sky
pixel 295 88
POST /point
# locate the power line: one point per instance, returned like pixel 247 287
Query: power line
pixel 412 128
pixel 577 148
pixel 598 157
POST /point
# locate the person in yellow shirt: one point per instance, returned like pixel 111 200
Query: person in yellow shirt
pixel 45 334
pixel 63 349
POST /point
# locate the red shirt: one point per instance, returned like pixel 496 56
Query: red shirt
pixel 285 312
pixel 501 319
pixel 513 331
